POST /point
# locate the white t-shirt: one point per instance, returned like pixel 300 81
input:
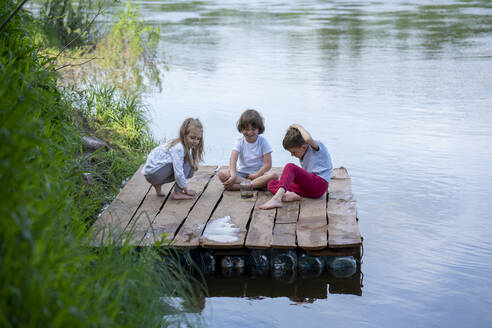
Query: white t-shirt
pixel 251 155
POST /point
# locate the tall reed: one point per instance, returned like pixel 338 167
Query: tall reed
pixel 49 277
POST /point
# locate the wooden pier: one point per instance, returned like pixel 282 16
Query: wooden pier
pixel 323 226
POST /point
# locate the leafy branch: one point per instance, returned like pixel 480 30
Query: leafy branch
pixel 12 14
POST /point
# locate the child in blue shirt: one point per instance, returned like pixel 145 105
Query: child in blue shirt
pixel 311 179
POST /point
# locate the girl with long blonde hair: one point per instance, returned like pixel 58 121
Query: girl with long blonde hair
pixel 177 160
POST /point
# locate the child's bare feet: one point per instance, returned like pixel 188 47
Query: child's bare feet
pixel 179 195
pixel 234 187
pixel 191 192
pixel 272 203
pixel 290 196
pixel 158 190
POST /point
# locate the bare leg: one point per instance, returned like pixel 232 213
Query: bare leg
pixel 158 190
pixel 262 181
pixel 275 201
pixel 224 175
pixel 179 195
pixel 290 196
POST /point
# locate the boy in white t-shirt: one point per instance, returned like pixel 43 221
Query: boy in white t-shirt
pixel 251 155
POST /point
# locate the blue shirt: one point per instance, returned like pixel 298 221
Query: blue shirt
pixel 318 161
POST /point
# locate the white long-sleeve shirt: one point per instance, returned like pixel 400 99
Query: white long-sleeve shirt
pixel 163 155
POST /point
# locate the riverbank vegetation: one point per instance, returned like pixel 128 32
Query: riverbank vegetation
pixel 49 276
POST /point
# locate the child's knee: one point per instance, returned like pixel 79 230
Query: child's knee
pixel 289 167
pixel 223 174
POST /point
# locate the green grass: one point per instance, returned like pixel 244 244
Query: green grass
pixel 49 277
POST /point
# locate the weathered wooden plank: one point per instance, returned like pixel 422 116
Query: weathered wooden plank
pixel 312 224
pixel 175 211
pixel 189 234
pixel 342 207
pixel 345 251
pixel 146 214
pixel 340 173
pixel 261 225
pixel 343 230
pixel 119 213
pixel 284 232
pixel 239 210
pixel 288 213
pixel 284 236
pixel 340 186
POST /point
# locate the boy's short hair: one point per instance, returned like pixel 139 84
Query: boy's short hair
pixel 293 139
pixel 253 118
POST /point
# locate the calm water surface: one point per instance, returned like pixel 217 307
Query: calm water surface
pixel 401 94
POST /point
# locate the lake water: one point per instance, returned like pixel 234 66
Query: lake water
pixel 401 94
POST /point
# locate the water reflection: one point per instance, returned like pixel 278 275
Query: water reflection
pixel 400 93
pixel 298 288
pixel 279 273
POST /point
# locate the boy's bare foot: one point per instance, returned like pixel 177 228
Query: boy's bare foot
pixel 272 203
pixel 290 196
pixel 179 195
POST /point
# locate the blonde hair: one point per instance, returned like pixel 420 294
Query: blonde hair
pixel 197 152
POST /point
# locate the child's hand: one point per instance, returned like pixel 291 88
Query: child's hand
pixel 252 176
pixel 230 181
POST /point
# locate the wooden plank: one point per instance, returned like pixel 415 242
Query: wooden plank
pixel 175 212
pixel 284 232
pixel 342 207
pixel 189 234
pixel 345 251
pixel 284 236
pixel 239 210
pixel 261 226
pixel 312 224
pixel 118 214
pixel 340 173
pixel 146 214
pixel 288 213
pixel 340 186
pixel 343 230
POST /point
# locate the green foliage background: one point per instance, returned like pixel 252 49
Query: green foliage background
pixel 49 277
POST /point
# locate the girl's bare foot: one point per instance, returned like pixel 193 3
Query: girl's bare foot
pixel 290 196
pixel 158 190
pixel 179 195
pixel 191 192
pixel 272 203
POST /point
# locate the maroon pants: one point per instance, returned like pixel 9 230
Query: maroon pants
pixel 300 181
